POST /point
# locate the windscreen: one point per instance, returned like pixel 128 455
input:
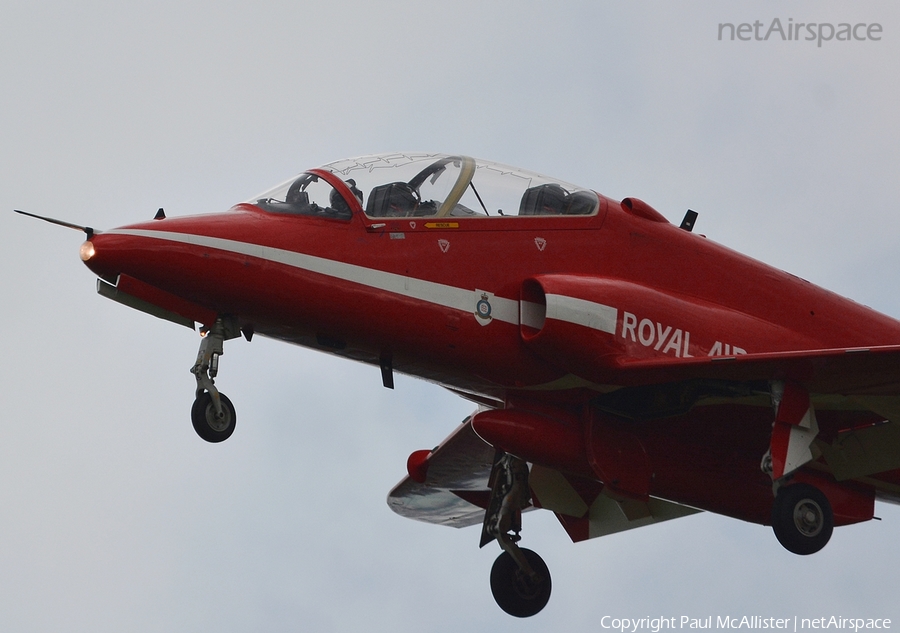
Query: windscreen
pixel 439 185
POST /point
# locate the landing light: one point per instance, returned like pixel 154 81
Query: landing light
pixel 87 250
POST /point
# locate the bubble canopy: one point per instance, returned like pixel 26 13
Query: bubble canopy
pixel 425 185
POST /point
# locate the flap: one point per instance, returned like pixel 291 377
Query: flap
pixel 586 511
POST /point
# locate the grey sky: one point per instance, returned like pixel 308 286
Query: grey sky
pixel 115 516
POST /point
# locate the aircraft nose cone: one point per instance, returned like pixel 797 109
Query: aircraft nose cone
pixel 102 254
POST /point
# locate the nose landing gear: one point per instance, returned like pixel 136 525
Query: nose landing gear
pixel 212 413
pixel 520 580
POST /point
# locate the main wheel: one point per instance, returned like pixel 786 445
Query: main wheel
pixel 514 591
pixel 802 518
pixel 209 426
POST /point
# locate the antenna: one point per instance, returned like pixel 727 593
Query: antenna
pixel 688 222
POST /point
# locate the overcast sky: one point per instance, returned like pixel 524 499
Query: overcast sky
pixel 114 516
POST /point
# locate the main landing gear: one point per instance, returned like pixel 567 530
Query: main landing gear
pixel 802 518
pixel 520 580
pixel 212 414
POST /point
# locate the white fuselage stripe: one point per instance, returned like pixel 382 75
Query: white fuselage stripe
pixel 580 312
pixel 506 310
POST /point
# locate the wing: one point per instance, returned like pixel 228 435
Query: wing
pixel 847 378
pixel 855 390
pixel 849 371
pixel 455 492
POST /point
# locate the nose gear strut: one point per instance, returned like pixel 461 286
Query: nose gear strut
pixel 212 413
pixel 520 580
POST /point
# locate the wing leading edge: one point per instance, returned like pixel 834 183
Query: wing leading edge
pixel 455 489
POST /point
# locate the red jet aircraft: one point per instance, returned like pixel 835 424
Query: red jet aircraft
pixel 626 371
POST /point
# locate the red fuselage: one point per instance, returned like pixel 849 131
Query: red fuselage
pixel 364 287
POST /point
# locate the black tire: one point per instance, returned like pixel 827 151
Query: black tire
pixel 208 426
pixel 802 519
pixel 514 591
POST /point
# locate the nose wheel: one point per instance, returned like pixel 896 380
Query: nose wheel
pixel 211 425
pixel 212 414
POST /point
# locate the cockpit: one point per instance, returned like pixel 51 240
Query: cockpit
pixel 411 185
